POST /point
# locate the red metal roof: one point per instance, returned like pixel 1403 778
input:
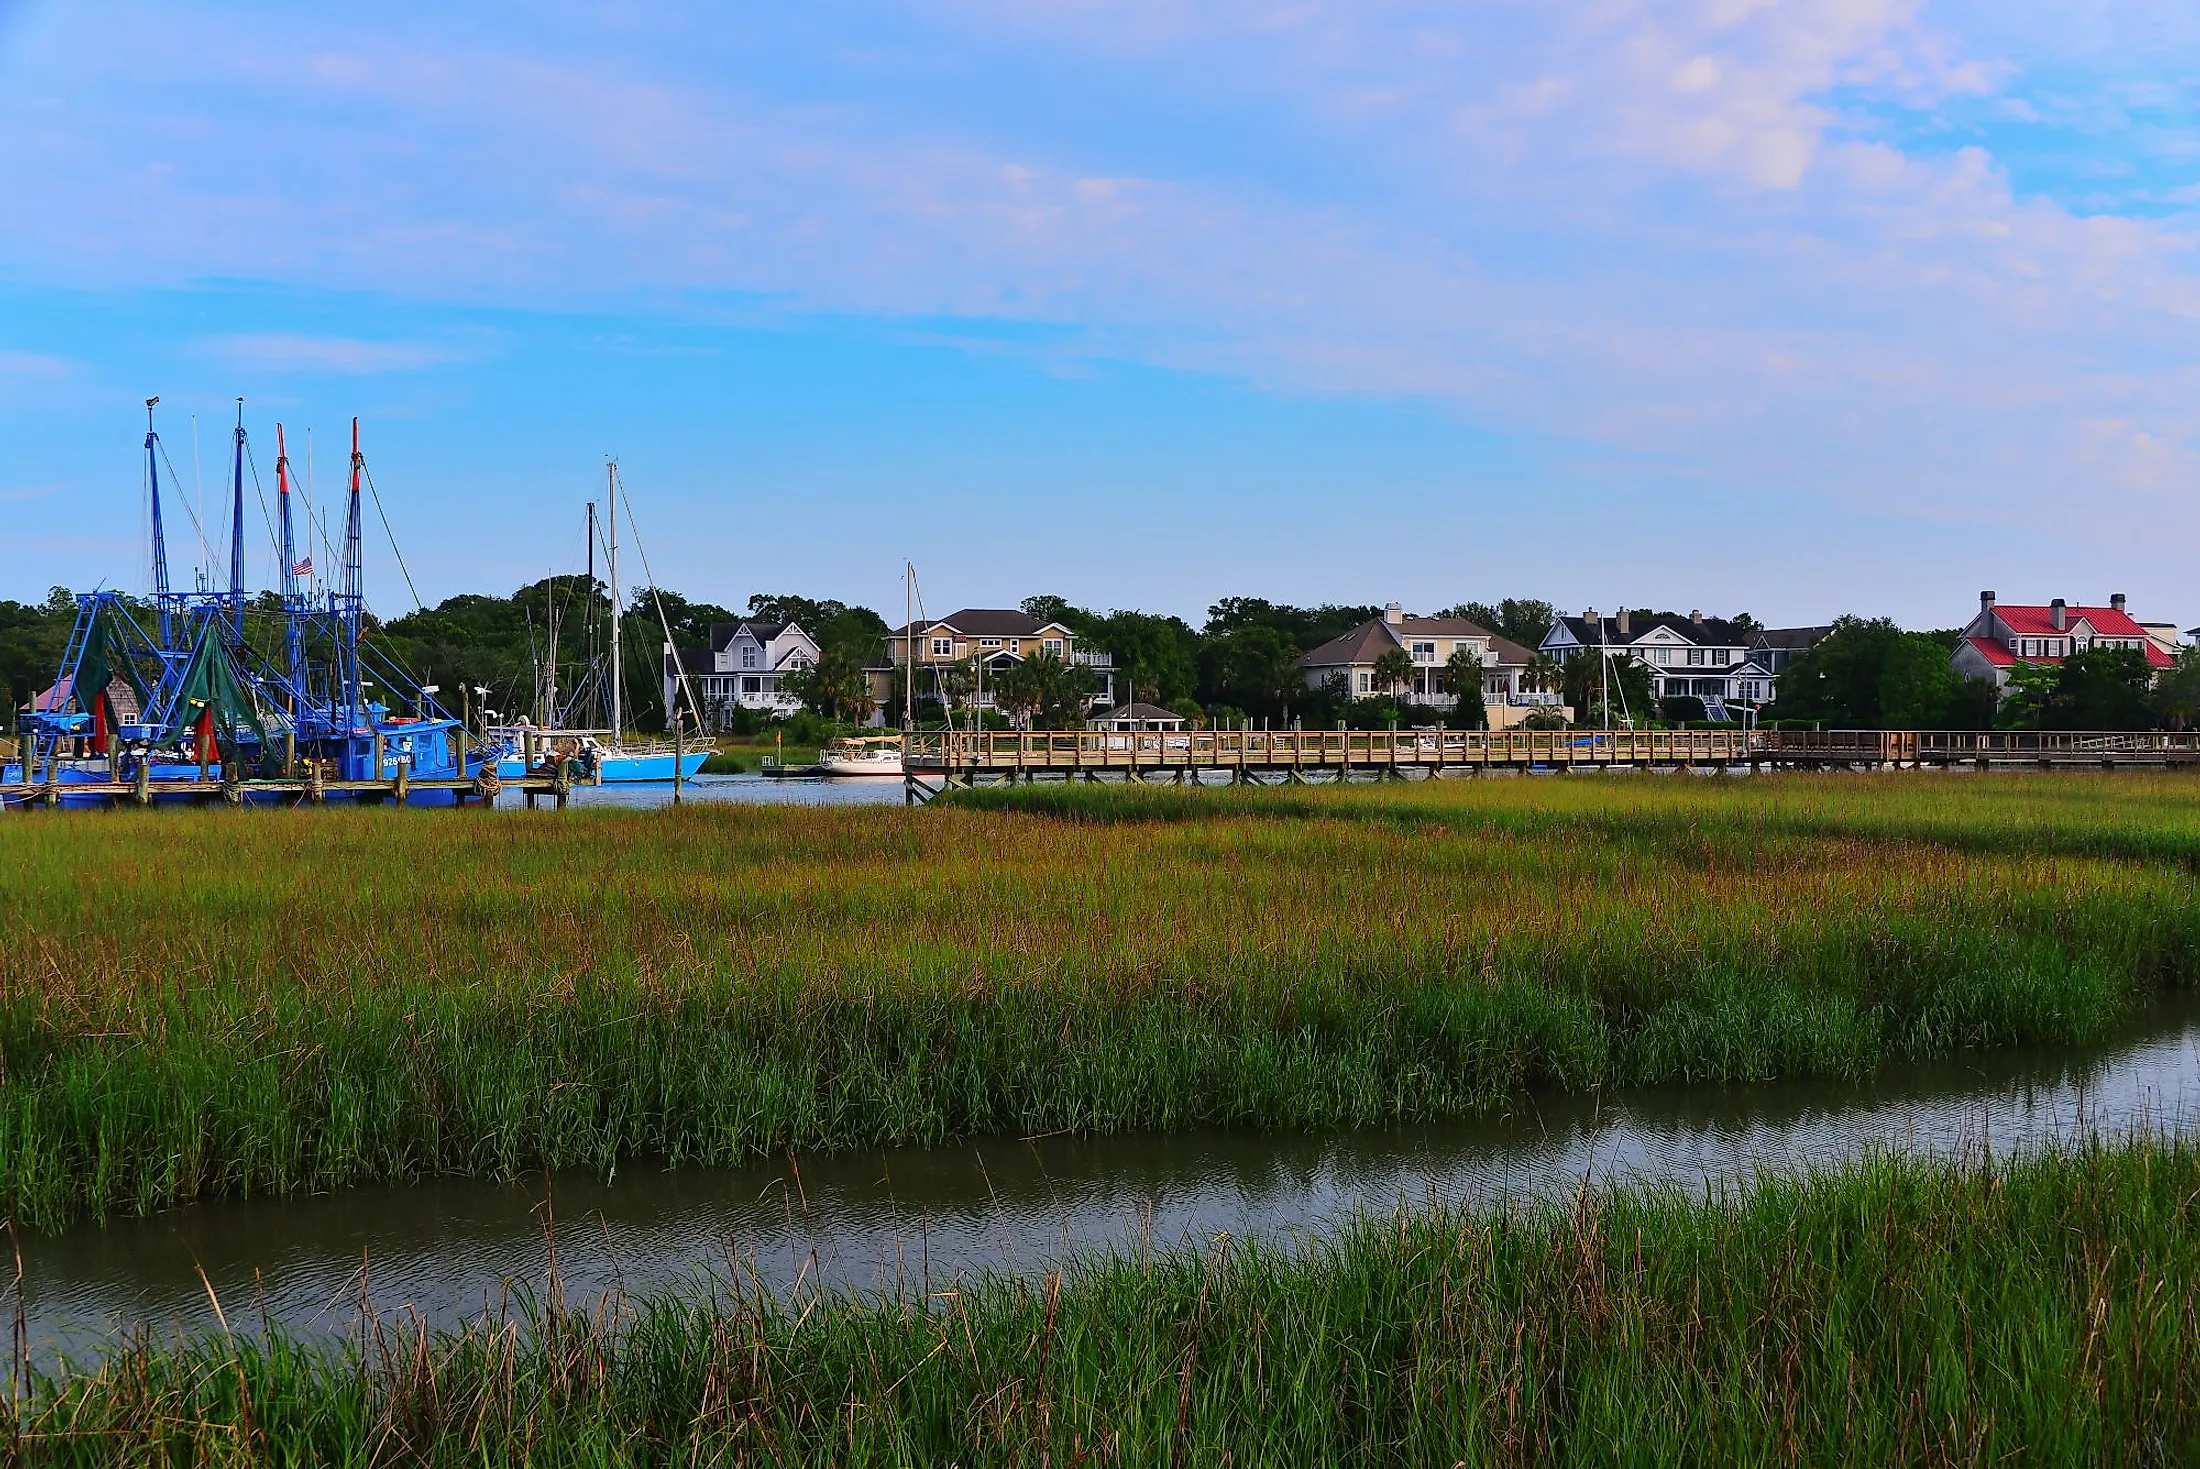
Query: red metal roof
pixel 2040 621
pixel 1998 655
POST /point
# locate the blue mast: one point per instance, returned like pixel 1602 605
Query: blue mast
pixel 160 539
pixel 236 535
pixel 354 583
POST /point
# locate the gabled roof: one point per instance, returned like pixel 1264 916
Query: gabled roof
pixel 1364 644
pixel 2040 621
pixel 987 622
pixel 1791 639
pixel 1377 636
pixel 1712 632
pixel 1509 652
pixel 1142 712
pixel 1999 655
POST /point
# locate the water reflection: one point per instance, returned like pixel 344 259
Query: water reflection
pixel 911 1219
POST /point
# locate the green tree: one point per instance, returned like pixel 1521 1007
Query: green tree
pixel 1628 680
pixel 1524 620
pixel 2177 692
pixel 1254 667
pixel 1869 674
pixel 834 687
pixel 1393 671
pixel 1463 676
pixel 1156 658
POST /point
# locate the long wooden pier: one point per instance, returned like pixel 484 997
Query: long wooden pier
pixel 294 791
pixel 935 761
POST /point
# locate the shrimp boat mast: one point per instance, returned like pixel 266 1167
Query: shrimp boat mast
pixel 605 753
pixel 184 687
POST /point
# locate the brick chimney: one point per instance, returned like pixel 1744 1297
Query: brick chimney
pixel 1695 615
pixel 1394 614
pixel 2116 601
pixel 1626 619
pixel 2058 614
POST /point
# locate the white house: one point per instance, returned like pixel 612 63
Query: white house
pixel 1430 643
pixel 1709 658
pixel 2005 634
pixel 746 666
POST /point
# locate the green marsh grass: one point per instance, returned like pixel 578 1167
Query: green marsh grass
pixel 2041 1313
pixel 243 1002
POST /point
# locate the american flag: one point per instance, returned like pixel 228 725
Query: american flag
pixel 303 568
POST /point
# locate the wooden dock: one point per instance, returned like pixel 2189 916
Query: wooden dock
pixel 286 792
pixel 936 761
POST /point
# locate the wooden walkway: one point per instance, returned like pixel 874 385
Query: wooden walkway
pixel 935 761
pixel 280 792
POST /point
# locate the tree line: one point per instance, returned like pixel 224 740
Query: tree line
pixel 1239 663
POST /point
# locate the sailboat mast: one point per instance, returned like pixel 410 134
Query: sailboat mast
pixel 611 481
pixel 236 532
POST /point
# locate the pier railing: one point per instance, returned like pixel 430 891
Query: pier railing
pixel 992 751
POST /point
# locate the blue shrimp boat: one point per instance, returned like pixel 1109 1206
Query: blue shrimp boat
pixel 169 693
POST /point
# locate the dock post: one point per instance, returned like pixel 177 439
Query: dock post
pixel 290 752
pixel 141 781
pixel 404 781
pixel 378 774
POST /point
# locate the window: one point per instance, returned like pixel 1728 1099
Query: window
pixel 989 642
pixel 1366 683
pixel 943 647
pixel 1424 652
pixel 748 656
pixel 1695 657
pixel 1719 658
pixel 1665 657
pixel 1053 645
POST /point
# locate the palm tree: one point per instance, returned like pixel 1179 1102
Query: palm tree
pixel 1393 669
pixel 1543 674
pixel 1463 672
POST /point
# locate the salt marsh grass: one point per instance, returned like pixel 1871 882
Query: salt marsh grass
pixel 1893 1313
pixel 242 1002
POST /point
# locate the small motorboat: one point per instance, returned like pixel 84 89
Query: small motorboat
pixel 862 755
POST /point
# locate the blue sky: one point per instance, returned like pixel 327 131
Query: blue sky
pixel 1798 306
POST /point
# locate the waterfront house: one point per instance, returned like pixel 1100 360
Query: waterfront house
pixel 992 638
pixel 1349 662
pixel 745 666
pixel 1708 658
pixel 2005 634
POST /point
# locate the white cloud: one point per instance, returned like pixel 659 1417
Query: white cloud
pixel 1648 225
